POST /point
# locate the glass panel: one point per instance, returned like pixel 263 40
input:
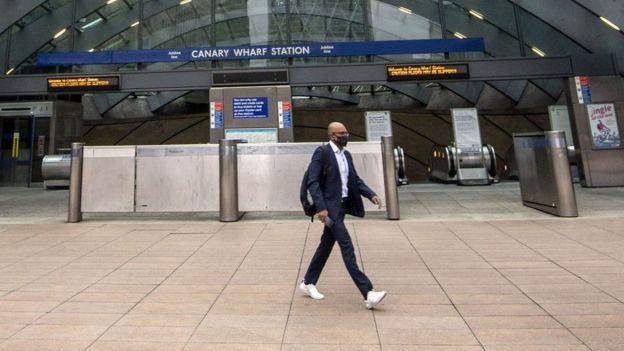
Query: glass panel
pixel 496 26
pixel 327 20
pixel 109 18
pixel 33 16
pixel 414 19
pixel 498 13
pixel 113 26
pixel 183 25
pixel 117 7
pixel 89 23
pixel 61 31
pixel 259 22
pixel 3 46
pixel 46 28
pixel 250 22
pixel 540 38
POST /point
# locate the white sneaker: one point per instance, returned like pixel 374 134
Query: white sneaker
pixel 373 298
pixel 311 291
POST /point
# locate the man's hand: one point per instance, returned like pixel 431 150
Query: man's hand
pixel 377 201
pixel 322 215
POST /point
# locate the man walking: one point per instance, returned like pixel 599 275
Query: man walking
pixel 336 190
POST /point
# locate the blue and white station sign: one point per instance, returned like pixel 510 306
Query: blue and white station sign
pixel 391 47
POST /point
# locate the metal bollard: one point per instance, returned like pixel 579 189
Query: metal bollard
pixel 228 180
pixel 389 171
pixel 74 213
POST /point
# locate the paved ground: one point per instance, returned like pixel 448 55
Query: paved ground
pixel 467 269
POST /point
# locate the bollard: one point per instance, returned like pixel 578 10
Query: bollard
pixel 228 180
pixel 389 171
pixel 74 213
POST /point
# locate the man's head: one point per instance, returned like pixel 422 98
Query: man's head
pixel 338 134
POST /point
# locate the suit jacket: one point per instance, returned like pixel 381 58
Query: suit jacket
pixel 325 185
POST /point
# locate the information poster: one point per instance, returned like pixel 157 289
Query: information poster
pixel 253 135
pixel 378 124
pixel 603 126
pixel 284 114
pixel 466 129
pixel 583 91
pixel 250 107
pixel 216 115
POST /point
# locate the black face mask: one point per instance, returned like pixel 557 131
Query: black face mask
pixel 342 140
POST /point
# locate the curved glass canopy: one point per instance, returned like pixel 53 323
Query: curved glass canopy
pixel 509 28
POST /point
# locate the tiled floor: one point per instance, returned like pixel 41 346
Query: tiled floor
pixel 462 275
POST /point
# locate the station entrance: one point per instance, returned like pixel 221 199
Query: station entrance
pixel 295 103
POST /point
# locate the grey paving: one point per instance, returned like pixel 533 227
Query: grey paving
pixel 466 269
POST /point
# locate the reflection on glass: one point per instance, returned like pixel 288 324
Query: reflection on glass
pixel 327 21
pixel 494 22
pixel 548 40
pixel 418 20
pixel 3 47
pixel 113 25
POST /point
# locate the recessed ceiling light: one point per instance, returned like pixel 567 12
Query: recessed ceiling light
pixel 611 24
pixel 476 14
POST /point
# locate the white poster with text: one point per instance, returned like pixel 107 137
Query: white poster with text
pixel 378 124
pixel 466 129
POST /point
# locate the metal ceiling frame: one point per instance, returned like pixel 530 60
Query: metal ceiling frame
pixel 369 73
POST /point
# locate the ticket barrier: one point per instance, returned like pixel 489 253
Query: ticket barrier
pixel 544 171
pixel 449 165
pixel 511 168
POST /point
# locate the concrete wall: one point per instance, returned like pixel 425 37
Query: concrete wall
pixel 598 166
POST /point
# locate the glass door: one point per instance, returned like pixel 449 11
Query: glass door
pixel 16 151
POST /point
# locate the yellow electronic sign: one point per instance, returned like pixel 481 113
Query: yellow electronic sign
pixel 428 72
pixel 80 84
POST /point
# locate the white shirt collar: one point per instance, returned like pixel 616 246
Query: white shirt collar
pixel 335 147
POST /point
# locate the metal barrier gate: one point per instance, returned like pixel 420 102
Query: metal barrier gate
pixel 186 178
pixel 544 172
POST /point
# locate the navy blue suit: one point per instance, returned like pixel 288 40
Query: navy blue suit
pixel 325 187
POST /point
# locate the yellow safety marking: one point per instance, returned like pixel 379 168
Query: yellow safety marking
pixel 15 151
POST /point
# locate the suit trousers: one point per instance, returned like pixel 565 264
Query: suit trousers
pixel 337 233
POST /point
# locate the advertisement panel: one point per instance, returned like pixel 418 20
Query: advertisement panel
pixel 603 125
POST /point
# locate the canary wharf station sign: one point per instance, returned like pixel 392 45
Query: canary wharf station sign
pixel 392 47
